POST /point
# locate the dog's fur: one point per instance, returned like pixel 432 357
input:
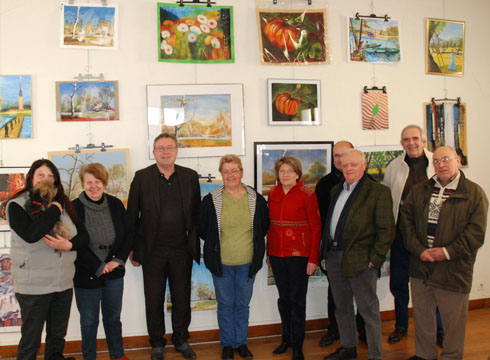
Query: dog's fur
pixel 41 197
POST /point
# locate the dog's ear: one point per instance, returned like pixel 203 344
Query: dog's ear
pixel 46 189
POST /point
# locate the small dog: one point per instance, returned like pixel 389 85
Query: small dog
pixel 41 197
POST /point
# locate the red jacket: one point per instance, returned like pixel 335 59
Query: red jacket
pixel 295 228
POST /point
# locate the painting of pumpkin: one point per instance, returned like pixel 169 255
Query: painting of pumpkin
pixel 281 35
pixel 285 104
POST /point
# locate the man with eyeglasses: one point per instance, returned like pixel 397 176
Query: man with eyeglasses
pixel 163 206
pixel 443 222
pixel 410 168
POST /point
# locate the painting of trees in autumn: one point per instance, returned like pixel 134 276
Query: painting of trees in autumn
pixel 12 180
pixel 87 101
pixel 116 161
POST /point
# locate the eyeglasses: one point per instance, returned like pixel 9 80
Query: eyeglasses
pixel 165 148
pixel 230 172
pixel 443 160
pixel 288 171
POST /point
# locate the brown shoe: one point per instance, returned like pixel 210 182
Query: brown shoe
pixel 397 335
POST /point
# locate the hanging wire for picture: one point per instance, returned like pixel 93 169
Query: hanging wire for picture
pixel 207 2
pixel 274 2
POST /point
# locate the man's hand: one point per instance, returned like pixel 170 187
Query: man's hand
pixel 134 262
pixel 427 256
pixel 438 254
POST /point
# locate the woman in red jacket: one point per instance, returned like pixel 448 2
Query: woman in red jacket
pixel 292 247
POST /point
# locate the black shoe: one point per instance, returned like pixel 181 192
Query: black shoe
pixel 440 340
pixel 415 357
pixel 281 349
pixel 329 338
pixel 298 355
pixel 156 353
pixel 227 353
pixel 244 353
pixel 342 353
pixel 186 350
pixel 397 335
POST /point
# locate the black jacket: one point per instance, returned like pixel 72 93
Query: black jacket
pixel 88 263
pixel 209 232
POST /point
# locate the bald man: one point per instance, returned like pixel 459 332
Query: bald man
pixel 358 233
pixel 443 223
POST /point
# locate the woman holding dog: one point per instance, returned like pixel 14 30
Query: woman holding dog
pixel 43 265
pixel 100 266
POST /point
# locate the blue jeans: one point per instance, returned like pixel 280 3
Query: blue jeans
pixel 233 293
pixel 89 301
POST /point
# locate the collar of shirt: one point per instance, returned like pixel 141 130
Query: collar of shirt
pixel 452 185
pixel 349 187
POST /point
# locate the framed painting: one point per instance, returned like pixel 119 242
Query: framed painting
pixel 206 119
pixel 10 320
pixel 15 107
pixel 374 110
pixel 446 125
pixel 195 33
pixel 378 157
pixel 87 100
pixel 12 180
pixel 293 37
pixel 294 102
pixel 444 51
pixel 89 26
pixel 116 161
pixel 315 157
pixel 373 40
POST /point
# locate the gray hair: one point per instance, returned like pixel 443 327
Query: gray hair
pixel 357 151
pixel 413 126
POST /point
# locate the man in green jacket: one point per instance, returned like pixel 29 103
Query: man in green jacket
pixel 443 222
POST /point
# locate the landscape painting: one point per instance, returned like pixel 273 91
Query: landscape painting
pixel 293 37
pixel 89 26
pixel 208 185
pixel 195 33
pixel 116 161
pixel 206 119
pixel 10 319
pixel 12 180
pixel 445 47
pixel 15 107
pixel 378 157
pixel 87 101
pixel 294 102
pixel 315 157
pixel 373 40
pixel 446 125
pixel 374 110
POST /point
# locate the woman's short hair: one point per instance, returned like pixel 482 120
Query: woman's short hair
pixel 292 161
pixel 97 170
pixel 230 158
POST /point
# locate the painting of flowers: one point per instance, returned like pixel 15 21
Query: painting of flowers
pixel 294 102
pixel 89 26
pixel 195 33
pixel 293 37
pixel 445 47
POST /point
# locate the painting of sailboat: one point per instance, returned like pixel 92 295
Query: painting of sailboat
pixel 373 40
pixel 15 107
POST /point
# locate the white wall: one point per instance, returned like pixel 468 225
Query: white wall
pixel 29 37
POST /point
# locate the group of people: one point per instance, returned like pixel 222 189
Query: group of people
pixel 431 217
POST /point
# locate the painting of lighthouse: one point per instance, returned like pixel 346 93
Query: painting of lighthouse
pixel 15 107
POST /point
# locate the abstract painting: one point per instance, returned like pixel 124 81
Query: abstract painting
pixel 445 47
pixel 116 161
pixel 10 319
pixel 206 119
pixel 12 180
pixel 315 157
pixel 294 102
pixel 87 101
pixel 373 40
pixel 195 33
pixel 89 26
pixel 378 157
pixel 293 37
pixel 374 110
pixel 15 107
pixel 446 125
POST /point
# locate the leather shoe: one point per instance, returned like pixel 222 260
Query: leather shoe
pixel 244 353
pixel 440 340
pixel 329 338
pixel 342 353
pixel 186 350
pixel 281 349
pixel 298 354
pixel 397 335
pixel 227 353
pixel 156 353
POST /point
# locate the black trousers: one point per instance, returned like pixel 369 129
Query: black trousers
pixel 176 266
pixel 292 284
pixel 52 309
